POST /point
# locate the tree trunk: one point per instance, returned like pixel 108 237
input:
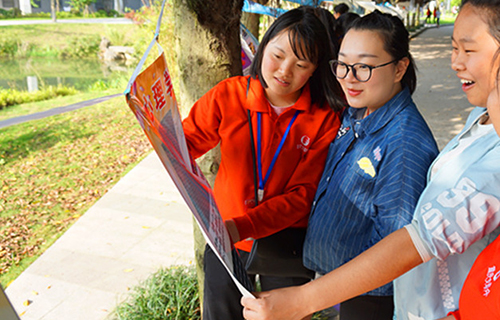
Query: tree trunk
pixel 252 20
pixel 208 50
pixel 53 10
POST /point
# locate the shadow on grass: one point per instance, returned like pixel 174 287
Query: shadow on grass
pixel 19 141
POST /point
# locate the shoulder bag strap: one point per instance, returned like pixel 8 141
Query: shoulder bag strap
pixel 252 142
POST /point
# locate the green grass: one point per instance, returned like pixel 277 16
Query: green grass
pixel 52 170
pixel 52 39
pixel 446 19
pixel 167 294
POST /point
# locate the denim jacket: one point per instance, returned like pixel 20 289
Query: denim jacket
pixel 374 174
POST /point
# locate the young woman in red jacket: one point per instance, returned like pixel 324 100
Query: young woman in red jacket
pixel 294 103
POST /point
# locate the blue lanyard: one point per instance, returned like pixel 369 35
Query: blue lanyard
pixel 262 182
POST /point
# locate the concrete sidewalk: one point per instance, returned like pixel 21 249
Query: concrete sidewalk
pixel 140 225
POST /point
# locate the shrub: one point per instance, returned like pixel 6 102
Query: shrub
pixel 101 14
pixel 24 49
pixel 168 294
pixel 8 47
pixel 116 37
pixel 12 97
pixel 65 15
pixel 81 47
pixel 9 14
pixel 113 13
pixel 3 13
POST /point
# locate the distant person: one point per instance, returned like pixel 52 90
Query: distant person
pixel 331 24
pixel 434 13
pixel 428 17
pixel 340 9
pixel 344 22
pixel 438 16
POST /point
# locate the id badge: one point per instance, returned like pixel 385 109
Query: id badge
pixel 260 194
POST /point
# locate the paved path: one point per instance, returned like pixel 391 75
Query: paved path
pixel 142 223
pixel 439 95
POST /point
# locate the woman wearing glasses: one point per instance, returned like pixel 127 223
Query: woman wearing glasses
pixel 376 167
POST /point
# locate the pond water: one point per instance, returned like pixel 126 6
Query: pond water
pixel 27 74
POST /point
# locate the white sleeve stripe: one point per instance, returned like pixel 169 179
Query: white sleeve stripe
pixel 423 250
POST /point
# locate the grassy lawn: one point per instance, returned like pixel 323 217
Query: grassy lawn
pixel 52 170
pixel 59 35
pixel 446 19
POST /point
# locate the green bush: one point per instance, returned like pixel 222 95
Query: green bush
pixel 3 13
pixel 114 13
pixel 9 14
pixel 8 47
pixel 82 47
pixel 168 294
pixel 40 15
pixel 13 47
pixel 64 15
pixel 12 97
pixel 101 14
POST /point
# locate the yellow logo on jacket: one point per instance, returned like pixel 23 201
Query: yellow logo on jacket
pixel 365 164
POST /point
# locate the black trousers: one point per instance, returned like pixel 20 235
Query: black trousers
pixel 368 308
pixel 221 297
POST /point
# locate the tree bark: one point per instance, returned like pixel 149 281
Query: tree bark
pixel 208 50
pixel 53 10
pixel 252 20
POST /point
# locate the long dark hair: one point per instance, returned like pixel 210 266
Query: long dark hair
pixel 396 40
pixel 308 39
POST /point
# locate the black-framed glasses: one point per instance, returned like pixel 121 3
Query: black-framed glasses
pixel 362 72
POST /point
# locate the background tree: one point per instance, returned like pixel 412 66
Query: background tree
pixel 208 50
pixel 82 5
pixel 252 20
pixel 53 10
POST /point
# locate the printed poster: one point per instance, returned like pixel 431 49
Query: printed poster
pixel 151 98
pixel 249 45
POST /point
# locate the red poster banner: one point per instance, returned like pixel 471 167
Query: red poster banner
pixel 151 98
